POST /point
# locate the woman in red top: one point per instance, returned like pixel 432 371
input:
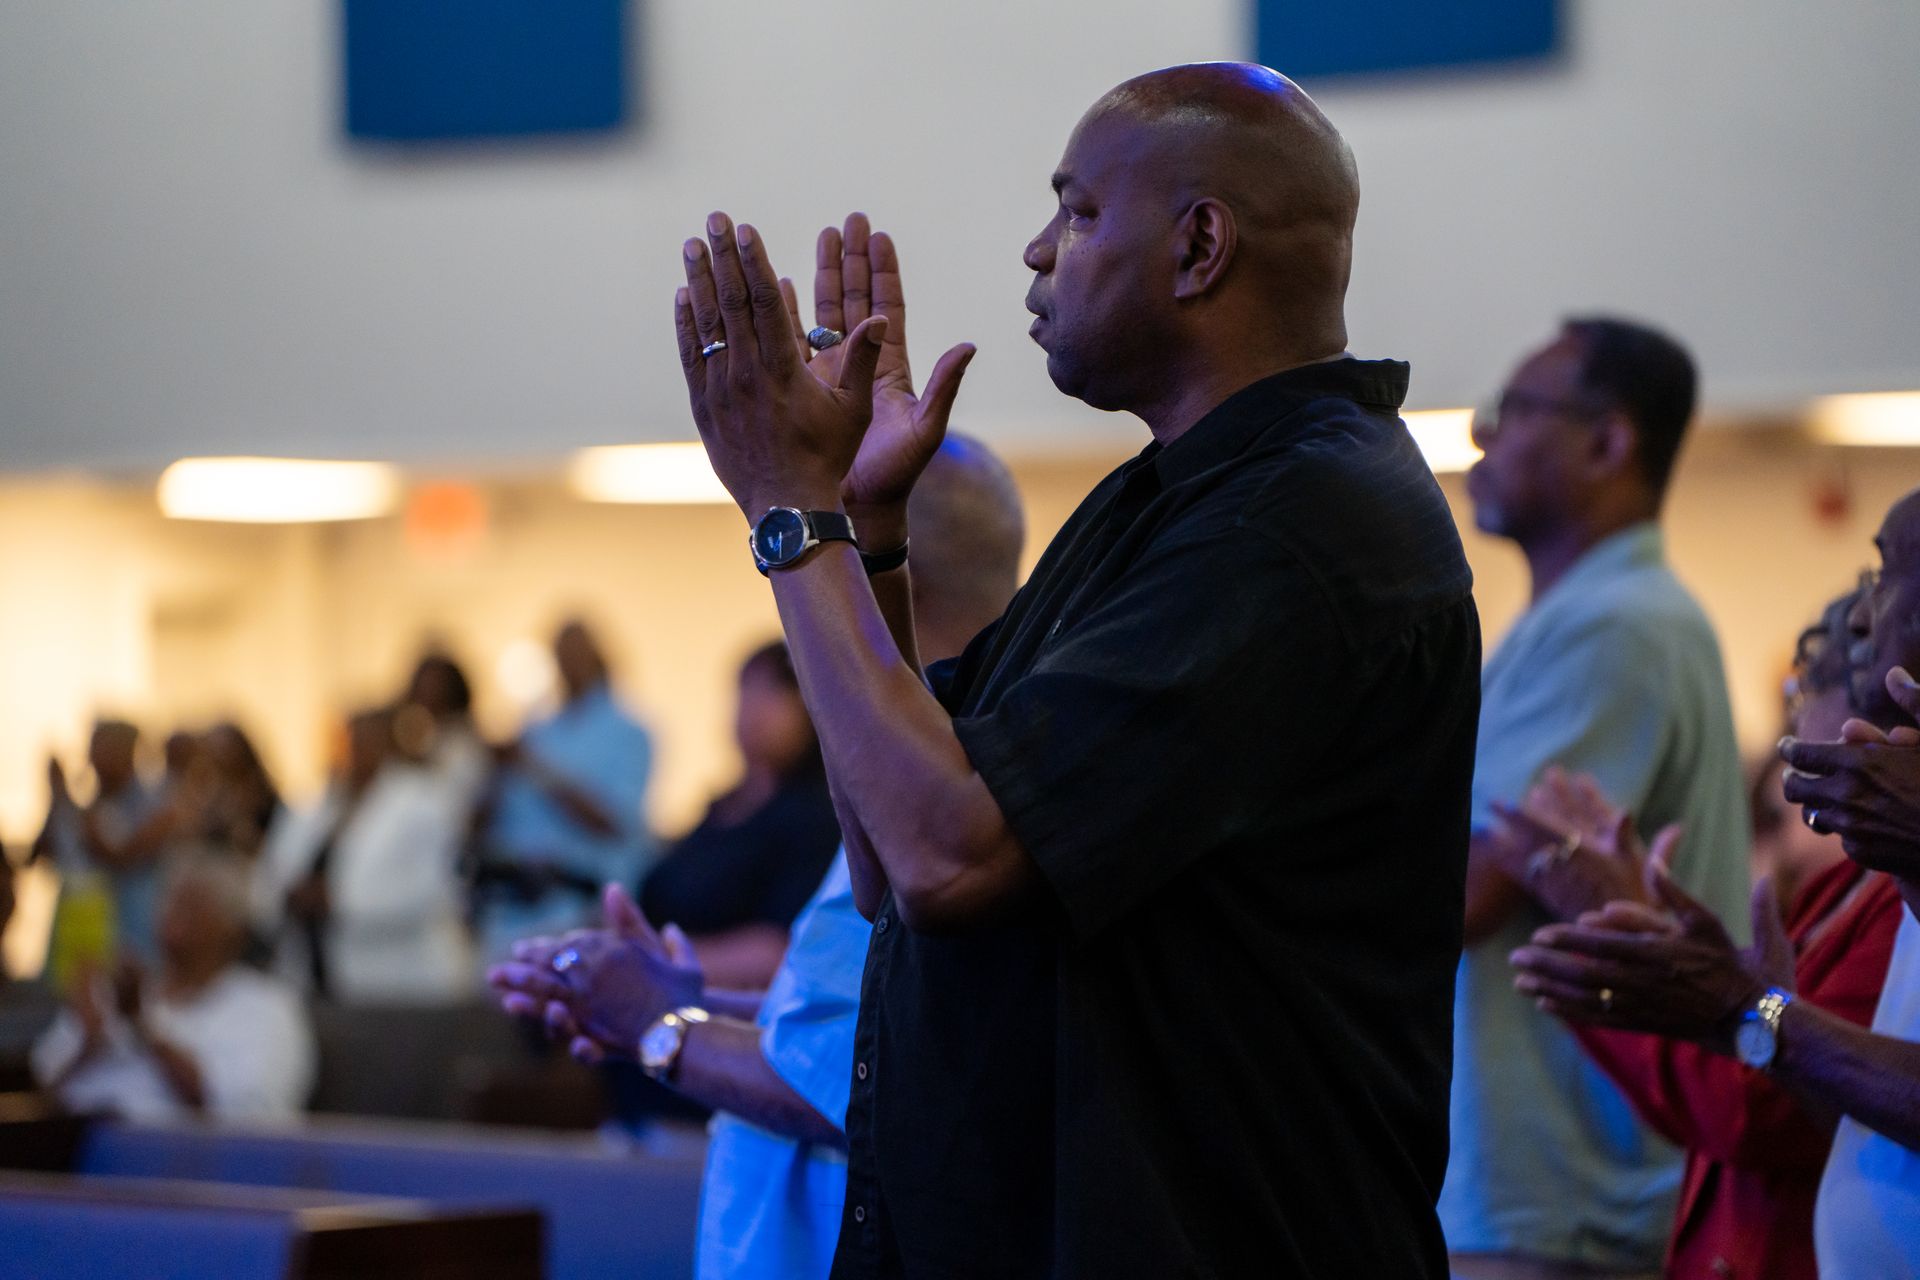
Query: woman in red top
pixel 1755 1152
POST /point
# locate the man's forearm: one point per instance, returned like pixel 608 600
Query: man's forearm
pixel 896 764
pixel 721 1066
pixel 1875 1079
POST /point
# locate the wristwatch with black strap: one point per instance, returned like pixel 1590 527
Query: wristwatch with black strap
pixel 784 535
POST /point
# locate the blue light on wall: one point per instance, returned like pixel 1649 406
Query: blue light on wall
pixel 1317 38
pixel 446 69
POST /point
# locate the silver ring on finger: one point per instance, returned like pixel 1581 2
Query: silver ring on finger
pixel 820 337
pixel 713 348
pixel 565 961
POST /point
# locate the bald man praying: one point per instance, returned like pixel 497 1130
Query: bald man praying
pixel 1166 870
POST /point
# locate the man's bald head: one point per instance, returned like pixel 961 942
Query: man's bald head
pixel 1244 133
pixel 968 530
pixel 1206 220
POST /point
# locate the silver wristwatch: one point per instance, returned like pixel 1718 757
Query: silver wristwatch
pixel 661 1043
pixel 1757 1037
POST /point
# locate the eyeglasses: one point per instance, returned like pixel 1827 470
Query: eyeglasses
pixel 1488 419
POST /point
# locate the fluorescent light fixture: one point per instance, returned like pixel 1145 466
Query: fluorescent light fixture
pixel 277 490
pixel 1885 418
pixel 663 473
pixel 1445 437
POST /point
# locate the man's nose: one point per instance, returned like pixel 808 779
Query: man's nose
pixel 1039 254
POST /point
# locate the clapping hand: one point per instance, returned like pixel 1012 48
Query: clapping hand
pixel 857 275
pixel 1573 850
pixel 601 988
pixel 1865 787
pixel 776 434
pixel 1666 967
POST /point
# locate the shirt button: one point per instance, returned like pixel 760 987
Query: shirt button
pixel 880 925
pixel 859 1213
pixel 860 1070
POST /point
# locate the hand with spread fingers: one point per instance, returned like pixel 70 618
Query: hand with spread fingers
pixel 600 989
pixel 776 434
pixel 1866 787
pixel 1668 967
pixel 857 275
pixel 1573 850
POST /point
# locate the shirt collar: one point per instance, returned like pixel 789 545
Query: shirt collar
pixel 1229 427
pixel 1635 547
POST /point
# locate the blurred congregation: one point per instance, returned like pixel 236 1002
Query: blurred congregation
pixel 1332 832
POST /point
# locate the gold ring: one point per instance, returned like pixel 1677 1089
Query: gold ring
pixel 1606 999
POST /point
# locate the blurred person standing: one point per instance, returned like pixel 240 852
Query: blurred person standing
pixel 362 891
pixel 1818 701
pixel 107 853
pixel 1755 1148
pixel 1613 671
pixel 566 807
pixel 434 725
pixel 735 882
pixel 227 799
pixel 205 1035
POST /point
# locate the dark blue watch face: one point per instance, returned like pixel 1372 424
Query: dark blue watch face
pixel 780 536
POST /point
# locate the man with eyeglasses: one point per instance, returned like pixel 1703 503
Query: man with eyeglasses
pixel 1613 670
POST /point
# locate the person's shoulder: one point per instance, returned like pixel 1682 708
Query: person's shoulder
pixel 244 989
pixel 1346 493
pixel 1644 611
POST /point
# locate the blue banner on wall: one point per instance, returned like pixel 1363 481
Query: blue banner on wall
pixel 430 69
pixel 1317 38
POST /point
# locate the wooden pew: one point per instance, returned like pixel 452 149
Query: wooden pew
pixel 609 1212
pixel 109 1228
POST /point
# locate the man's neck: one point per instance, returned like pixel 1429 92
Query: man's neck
pixel 1201 389
pixel 1551 555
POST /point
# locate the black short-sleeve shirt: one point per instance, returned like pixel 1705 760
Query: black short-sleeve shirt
pixel 1231 719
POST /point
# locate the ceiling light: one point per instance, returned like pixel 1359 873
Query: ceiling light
pixel 1886 418
pixel 645 473
pixel 1445 437
pixel 277 490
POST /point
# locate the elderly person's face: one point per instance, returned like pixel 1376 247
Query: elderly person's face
pixel 197 930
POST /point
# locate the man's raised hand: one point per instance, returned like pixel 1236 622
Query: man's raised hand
pixel 776 434
pixel 856 278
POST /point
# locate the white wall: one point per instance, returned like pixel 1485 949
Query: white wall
pixel 193 260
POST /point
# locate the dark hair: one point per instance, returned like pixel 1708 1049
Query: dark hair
pixel 459 692
pixel 1822 656
pixel 1646 375
pixel 773 659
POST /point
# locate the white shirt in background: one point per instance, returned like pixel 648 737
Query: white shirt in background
pixel 398 932
pixel 1866 1223
pixel 246 1031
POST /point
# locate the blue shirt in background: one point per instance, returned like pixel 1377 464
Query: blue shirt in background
pixel 770 1205
pixel 596 745
pixel 1615 671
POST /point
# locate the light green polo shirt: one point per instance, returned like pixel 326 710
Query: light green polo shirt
pixel 1615 671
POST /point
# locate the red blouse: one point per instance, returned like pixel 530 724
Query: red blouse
pixel 1755 1153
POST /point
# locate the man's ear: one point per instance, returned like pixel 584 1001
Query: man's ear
pixel 1616 445
pixel 1204 241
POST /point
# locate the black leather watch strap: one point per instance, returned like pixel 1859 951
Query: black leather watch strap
pixel 830 526
pixel 878 562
